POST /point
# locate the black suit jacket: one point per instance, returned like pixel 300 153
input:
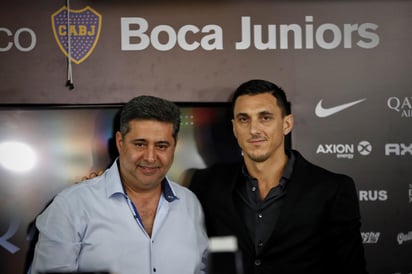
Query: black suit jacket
pixel 318 230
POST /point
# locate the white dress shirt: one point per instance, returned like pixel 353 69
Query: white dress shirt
pixel 91 226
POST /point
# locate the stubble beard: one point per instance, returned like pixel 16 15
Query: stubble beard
pixel 258 158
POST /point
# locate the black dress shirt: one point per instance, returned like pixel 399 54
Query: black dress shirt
pixel 260 216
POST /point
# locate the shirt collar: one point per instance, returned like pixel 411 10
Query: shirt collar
pixel 168 191
pixel 287 172
pixel 115 186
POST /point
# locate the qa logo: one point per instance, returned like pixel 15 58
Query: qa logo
pixel 364 148
pixel 83 28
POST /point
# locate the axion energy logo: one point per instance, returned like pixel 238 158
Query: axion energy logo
pixel 78 28
pixel 345 151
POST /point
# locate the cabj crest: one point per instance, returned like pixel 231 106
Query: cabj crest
pixel 84 28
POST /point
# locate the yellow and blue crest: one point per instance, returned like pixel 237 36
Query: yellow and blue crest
pixel 83 26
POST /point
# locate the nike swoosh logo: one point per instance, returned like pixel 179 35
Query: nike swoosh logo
pixel 322 112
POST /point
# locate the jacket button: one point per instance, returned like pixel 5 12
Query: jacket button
pixel 258 262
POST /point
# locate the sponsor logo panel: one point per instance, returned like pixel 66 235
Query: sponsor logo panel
pixel 398 149
pixel 401 105
pixel 404 238
pixel 345 151
pixel 370 237
pixel 373 195
pixel 323 112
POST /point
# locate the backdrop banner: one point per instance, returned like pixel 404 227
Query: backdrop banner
pixel 345 66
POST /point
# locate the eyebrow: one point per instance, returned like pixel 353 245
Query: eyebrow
pixel 263 112
pixel 241 114
pixel 163 143
pixel 145 140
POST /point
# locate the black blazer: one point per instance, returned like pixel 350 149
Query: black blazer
pixel 318 230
